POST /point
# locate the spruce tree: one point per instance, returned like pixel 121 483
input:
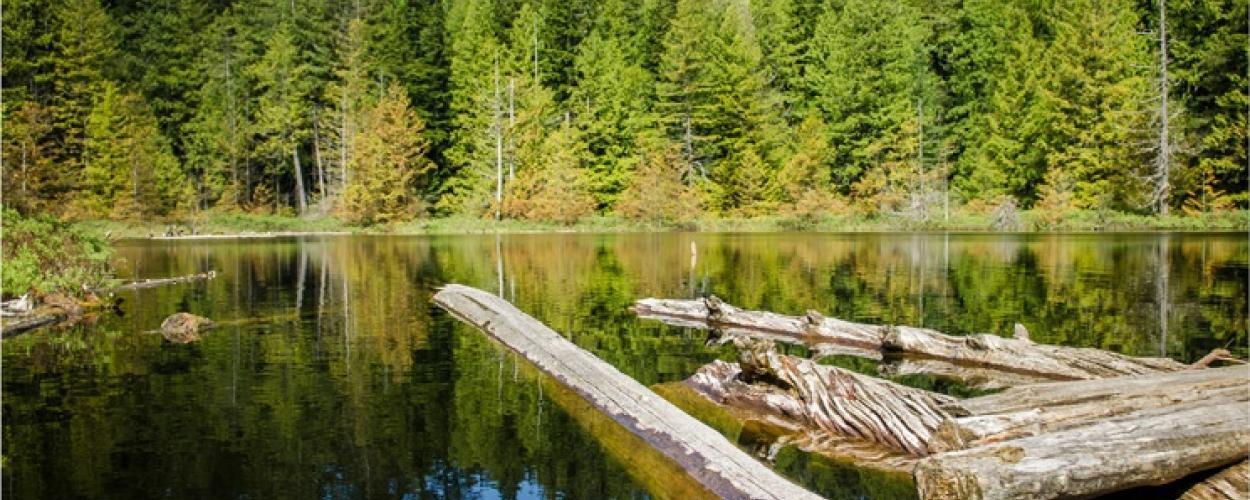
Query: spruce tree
pixel 389 162
pixel 475 109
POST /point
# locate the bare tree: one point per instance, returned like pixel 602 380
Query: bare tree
pixel 1163 156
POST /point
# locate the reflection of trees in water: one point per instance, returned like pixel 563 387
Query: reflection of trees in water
pixel 352 383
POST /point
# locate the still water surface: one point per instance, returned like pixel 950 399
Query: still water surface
pixel 333 376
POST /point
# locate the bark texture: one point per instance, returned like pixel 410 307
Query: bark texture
pixel 1151 447
pixel 1232 483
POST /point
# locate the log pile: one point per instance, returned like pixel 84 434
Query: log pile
pixel 1071 423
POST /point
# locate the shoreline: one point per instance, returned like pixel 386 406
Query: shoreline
pixel 246 226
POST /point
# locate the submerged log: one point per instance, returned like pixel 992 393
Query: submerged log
pixel 981 360
pixel 1232 483
pixel 1151 447
pixel 704 453
pixel 18 326
pixel 152 283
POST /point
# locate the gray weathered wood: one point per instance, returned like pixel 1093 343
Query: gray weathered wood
pixel 1150 447
pixel 704 453
pixel 981 360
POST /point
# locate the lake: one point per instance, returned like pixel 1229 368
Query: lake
pixel 333 376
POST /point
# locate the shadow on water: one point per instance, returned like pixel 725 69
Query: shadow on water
pixel 337 377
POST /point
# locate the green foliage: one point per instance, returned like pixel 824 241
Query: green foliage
pixel 389 158
pixel 45 255
pixel 129 171
pixel 798 107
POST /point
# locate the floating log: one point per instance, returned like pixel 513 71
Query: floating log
pixel 705 454
pixel 1151 447
pixel 152 283
pixel 981 360
pixel 1232 483
pixel 826 336
pixel 1041 408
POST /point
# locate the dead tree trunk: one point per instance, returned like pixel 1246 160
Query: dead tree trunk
pixel 981 360
pixel 704 453
pixel 1152 447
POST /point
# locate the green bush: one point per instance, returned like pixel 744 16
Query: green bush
pixel 43 254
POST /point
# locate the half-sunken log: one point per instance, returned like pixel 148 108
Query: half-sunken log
pixel 155 282
pixel 1151 447
pixel 704 453
pixel 982 360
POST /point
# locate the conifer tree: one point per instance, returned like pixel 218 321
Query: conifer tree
pixel 283 109
pixel 866 62
pixel 612 100
pixel 473 57
pixel 389 162
pixel 129 168
pixel 1096 88
pixel 84 51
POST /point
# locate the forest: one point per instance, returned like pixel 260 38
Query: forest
pixel 379 111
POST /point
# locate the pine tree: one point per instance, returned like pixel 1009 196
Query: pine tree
pixel 867 62
pixel 27 157
pixel 475 110
pixel 997 111
pixel 84 51
pixel 555 188
pixel 283 111
pixel 216 139
pixel 389 162
pixel 1094 95
pixel 612 100
pixel 129 170
pixel 658 191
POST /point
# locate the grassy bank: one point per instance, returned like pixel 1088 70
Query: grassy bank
pixel 227 224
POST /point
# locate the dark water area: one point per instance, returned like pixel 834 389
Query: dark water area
pixel 333 376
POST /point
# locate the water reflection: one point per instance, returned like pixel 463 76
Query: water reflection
pixel 333 376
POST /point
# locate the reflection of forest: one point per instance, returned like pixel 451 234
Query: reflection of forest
pixel 351 383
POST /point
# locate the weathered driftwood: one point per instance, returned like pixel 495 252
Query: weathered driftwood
pixel 1047 427
pixel 701 451
pixel 845 402
pixel 152 283
pixel 18 326
pixel 1151 447
pixel 823 335
pixel 1232 483
pixel 1041 408
pixel 982 360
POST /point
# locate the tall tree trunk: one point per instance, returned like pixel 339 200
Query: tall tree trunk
pixel 321 171
pixel 511 126
pixel 344 142
pixel 1164 159
pixel 299 181
pixel 498 144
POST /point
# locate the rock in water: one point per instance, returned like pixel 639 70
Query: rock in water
pixel 184 328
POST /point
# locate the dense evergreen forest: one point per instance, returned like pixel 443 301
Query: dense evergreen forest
pixel 384 110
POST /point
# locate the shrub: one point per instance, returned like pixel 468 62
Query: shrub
pixel 43 254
